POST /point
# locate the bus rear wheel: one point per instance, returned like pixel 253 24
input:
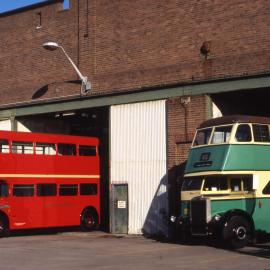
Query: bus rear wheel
pixel 236 232
pixel 89 219
pixel 4 230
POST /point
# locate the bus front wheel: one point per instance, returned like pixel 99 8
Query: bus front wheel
pixel 89 219
pixel 4 229
pixel 236 232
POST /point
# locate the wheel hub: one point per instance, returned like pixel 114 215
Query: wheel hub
pixel 241 232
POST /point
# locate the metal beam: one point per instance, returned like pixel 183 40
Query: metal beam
pixel 185 90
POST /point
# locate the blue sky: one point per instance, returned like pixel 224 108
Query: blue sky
pixel 6 5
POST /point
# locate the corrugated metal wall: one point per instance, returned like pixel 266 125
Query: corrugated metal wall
pixel 5 125
pixel 138 157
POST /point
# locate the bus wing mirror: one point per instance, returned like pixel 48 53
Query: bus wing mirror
pixel 255 182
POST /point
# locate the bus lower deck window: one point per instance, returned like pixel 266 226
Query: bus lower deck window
pixel 215 184
pixel 88 189
pixel 3 189
pixel 46 189
pixel 23 190
pixel 68 190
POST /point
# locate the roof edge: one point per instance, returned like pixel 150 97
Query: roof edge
pixel 29 7
pixel 236 118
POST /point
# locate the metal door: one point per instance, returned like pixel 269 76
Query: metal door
pixel 119 217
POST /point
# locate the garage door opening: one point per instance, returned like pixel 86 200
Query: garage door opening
pixel 249 102
pixel 88 122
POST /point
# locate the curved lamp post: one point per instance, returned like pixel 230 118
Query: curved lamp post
pixel 86 85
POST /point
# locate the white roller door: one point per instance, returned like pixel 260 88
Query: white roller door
pixel 138 158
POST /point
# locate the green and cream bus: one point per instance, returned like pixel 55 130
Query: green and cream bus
pixel 226 186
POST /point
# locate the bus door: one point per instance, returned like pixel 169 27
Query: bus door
pixel 25 212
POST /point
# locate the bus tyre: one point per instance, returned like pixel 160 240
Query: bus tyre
pixel 4 230
pixel 236 232
pixel 89 219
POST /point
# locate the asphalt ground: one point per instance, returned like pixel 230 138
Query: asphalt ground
pixel 77 250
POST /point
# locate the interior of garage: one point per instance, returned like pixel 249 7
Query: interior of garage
pixel 87 122
pixel 249 102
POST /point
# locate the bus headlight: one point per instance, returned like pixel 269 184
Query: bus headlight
pixel 217 218
pixel 173 219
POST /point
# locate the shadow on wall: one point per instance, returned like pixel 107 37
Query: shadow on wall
pixel 166 202
pixel 156 222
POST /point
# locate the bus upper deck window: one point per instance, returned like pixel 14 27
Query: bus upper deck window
pixel 243 133
pixel 86 150
pixel 45 149
pixel 202 136
pixel 22 148
pixel 221 135
pixel 4 146
pixel 65 149
pixel 261 133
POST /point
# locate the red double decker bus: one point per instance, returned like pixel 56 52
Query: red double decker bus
pixel 48 180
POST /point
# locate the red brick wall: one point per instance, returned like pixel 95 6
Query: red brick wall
pixel 182 120
pixel 129 45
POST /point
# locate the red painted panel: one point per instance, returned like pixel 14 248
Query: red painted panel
pixel 47 211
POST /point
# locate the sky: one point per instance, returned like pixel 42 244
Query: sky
pixel 6 5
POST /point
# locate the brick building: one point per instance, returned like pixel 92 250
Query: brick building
pixel 144 58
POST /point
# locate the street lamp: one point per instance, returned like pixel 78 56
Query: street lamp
pixel 86 85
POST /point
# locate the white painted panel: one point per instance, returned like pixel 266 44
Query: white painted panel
pixel 138 157
pixel 215 111
pixel 22 127
pixel 5 125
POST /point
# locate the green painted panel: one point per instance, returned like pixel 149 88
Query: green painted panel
pixel 234 157
pixel 259 209
pixel 216 157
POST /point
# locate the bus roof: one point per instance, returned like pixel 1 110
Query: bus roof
pixel 232 119
pixel 46 137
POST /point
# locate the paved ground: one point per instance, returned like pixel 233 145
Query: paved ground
pixel 96 250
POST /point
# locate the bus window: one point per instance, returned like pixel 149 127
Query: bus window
pixel 23 190
pixel 65 149
pixel 235 184
pixel 22 148
pixel 3 189
pixel 221 135
pixel 86 150
pixel 68 190
pixel 202 137
pixel 215 184
pixel 261 133
pixel 88 189
pixel 266 189
pixel 243 133
pixel 247 183
pixel 45 149
pixel 192 183
pixel 4 146
pixel 46 189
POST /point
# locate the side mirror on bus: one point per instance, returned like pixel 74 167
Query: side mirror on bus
pixel 255 182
